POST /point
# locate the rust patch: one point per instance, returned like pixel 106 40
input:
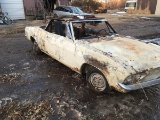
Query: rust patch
pixel 107 53
pixel 96 40
pixel 93 61
pixel 133 47
pixel 100 39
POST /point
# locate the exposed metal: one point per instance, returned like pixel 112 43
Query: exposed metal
pixel 127 63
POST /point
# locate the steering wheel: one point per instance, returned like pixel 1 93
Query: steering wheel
pixel 100 31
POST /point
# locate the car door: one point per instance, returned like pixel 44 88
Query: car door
pixel 67 50
pixel 61 48
pixel 71 50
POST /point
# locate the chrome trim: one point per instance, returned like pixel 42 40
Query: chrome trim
pixel 140 85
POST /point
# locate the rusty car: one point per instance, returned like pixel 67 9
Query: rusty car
pixel 92 48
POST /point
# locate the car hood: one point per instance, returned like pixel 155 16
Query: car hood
pixel 131 52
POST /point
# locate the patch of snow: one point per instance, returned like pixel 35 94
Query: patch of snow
pixel 12 65
pixel 128 36
pixel 26 64
pixel 147 18
pixel 115 14
pixel 4 101
pixel 121 12
pixel 155 41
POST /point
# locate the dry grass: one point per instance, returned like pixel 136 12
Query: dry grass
pixel 19 26
pixel 36 111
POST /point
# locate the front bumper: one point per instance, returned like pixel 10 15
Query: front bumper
pixel 140 85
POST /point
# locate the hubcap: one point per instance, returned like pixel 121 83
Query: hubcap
pixel 97 81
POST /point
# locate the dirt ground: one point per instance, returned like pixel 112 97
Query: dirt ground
pixel 38 87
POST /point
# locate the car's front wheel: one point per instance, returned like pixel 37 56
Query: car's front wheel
pixel 97 81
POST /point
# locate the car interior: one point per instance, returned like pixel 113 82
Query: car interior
pixel 56 27
pixel 82 29
pixel 91 29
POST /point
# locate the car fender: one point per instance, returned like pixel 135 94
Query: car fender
pixel 113 71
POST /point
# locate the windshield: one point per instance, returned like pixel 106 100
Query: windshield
pixel 76 10
pixel 92 28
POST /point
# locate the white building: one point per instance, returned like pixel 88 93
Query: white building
pixel 158 8
pixel 14 8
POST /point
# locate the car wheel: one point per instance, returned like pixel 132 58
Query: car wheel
pixel 36 48
pixel 97 81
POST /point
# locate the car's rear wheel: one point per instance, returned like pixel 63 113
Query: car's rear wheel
pixel 97 81
pixel 36 48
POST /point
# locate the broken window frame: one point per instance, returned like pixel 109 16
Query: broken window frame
pixel 69 31
pixel 110 28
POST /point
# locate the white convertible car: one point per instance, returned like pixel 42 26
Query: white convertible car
pixel 92 48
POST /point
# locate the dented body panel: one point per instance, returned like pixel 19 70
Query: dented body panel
pixel 127 63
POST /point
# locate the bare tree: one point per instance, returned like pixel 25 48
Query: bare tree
pixel 122 4
pixel 87 5
pixel 49 5
pixel 112 4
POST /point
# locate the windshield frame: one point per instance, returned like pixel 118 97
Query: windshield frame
pixel 91 20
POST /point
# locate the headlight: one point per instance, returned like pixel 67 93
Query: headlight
pixel 132 79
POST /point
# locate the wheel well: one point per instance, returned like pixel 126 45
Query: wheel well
pixel 84 69
pixel 32 39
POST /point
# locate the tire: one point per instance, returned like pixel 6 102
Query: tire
pixel 8 21
pixel 96 81
pixel 36 48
